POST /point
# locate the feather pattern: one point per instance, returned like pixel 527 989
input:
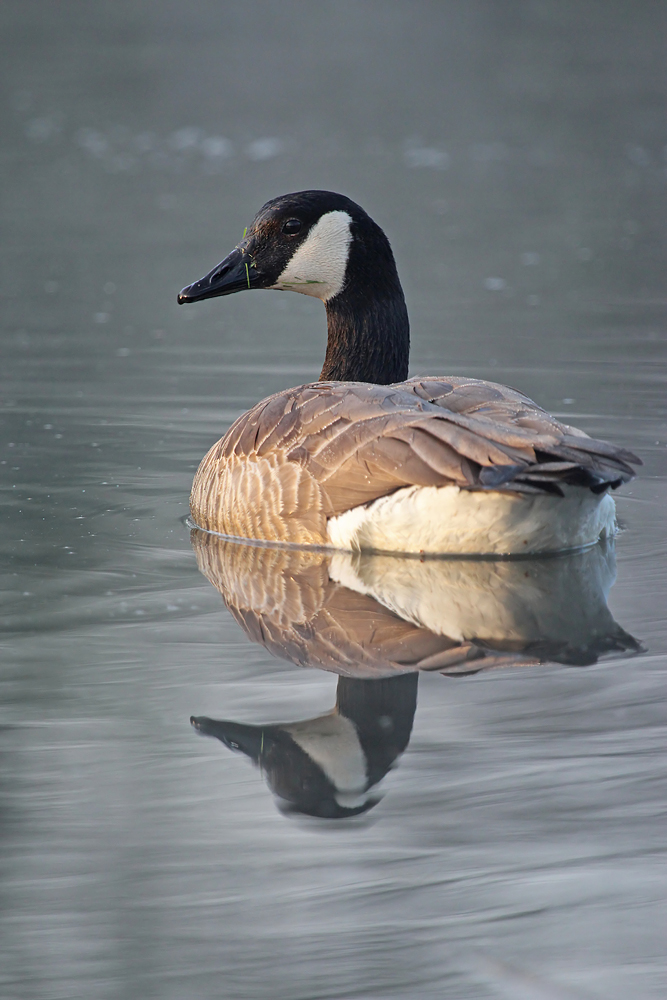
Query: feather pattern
pixel 308 454
pixel 375 615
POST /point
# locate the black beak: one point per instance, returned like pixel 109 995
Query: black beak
pixel 248 739
pixel 234 274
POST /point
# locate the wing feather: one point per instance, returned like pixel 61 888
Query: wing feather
pixel 355 442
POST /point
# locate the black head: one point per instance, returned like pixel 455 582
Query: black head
pixel 327 766
pixel 300 783
pixel 322 244
pixel 301 242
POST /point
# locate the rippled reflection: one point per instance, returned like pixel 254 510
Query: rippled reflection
pixel 378 621
pixel 328 766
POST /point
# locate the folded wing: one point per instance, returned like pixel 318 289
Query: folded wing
pixel 341 444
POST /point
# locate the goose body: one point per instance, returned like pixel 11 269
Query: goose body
pixel 367 460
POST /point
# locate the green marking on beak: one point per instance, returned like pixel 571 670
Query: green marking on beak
pixel 247 274
pixel 244 232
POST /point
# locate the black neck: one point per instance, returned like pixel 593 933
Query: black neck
pixel 369 331
pixel 369 340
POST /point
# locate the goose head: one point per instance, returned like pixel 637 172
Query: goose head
pixel 331 785
pixel 324 245
pixel 329 766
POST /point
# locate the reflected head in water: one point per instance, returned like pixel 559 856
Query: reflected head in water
pixel 329 765
pixel 378 621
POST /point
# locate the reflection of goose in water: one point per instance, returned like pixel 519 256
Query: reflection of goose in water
pixel 366 615
pixel 377 621
pixel 329 765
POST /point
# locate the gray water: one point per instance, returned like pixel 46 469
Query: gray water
pixel 516 155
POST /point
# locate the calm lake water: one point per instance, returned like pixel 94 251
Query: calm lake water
pixel 516 155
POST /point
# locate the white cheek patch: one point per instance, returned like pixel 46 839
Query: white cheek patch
pixel 332 742
pixel 318 266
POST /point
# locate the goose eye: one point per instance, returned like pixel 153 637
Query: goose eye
pixel 292 227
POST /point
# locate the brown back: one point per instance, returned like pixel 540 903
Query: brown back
pixel 308 453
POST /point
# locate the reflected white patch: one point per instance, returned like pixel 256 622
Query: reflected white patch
pixel 319 264
pixel 560 600
pixel 347 801
pixel 332 742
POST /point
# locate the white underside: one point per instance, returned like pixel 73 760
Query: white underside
pixel 449 520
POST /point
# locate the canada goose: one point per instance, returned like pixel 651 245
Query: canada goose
pixel 327 766
pixel 363 460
